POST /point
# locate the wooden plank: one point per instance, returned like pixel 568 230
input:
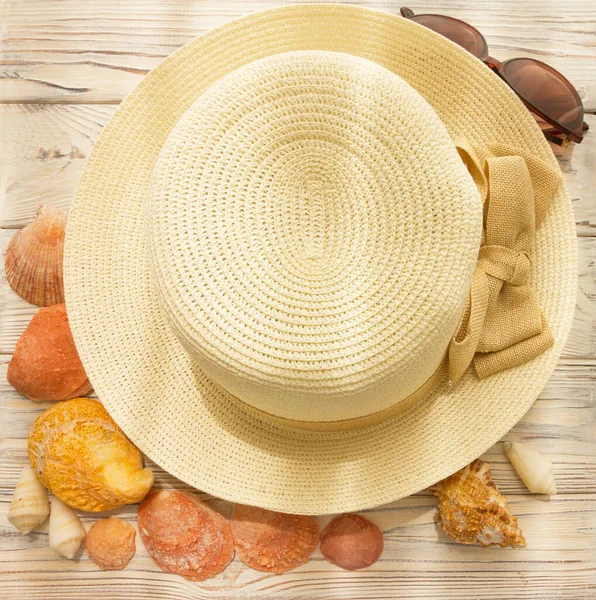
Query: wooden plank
pixel 44 147
pixel 577 165
pixel 419 561
pixel 77 51
pixel 582 337
pixel 72 51
pixel 561 424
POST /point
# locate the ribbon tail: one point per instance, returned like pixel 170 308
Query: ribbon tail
pixel 503 326
pixel 513 356
pixel 467 335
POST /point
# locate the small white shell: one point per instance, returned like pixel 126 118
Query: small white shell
pixel 30 505
pixel 535 470
pixel 66 530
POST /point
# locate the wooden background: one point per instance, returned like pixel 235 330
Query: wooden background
pixel 64 67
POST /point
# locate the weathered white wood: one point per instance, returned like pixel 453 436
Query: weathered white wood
pixel 577 165
pixel 79 51
pixel 561 424
pixel 419 561
pixel 71 51
pixel 44 147
pixel 582 337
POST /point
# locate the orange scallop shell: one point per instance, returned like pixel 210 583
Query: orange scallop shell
pixel 271 541
pixel 185 536
pixel 110 543
pixel 34 258
pixel 351 542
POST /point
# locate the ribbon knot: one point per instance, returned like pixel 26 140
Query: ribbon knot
pixel 506 264
pixel 502 325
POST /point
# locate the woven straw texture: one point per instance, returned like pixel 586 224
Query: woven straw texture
pixel 158 394
pixel 313 235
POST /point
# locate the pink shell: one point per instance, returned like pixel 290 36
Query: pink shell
pixel 34 258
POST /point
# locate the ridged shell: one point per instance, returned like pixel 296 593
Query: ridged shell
pixel 110 543
pixel 34 258
pixel 82 456
pixel 472 511
pixel 30 505
pixel 66 530
pixel 45 364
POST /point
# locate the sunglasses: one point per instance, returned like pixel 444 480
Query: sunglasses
pixel 546 93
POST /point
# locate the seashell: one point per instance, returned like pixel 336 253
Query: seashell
pixel 34 258
pixel 30 505
pixel 271 541
pixel 183 535
pixel 45 364
pixel 82 456
pixel 472 511
pixel 351 542
pixel 66 530
pixel 110 543
pixel 43 527
pixel 535 470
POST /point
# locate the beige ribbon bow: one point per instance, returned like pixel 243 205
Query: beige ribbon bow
pixel 502 325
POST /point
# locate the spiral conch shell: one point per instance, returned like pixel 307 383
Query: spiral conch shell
pixel 472 511
pixel 66 530
pixel 82 456
pixel 535 470
pixel 30 505
pixel 34 258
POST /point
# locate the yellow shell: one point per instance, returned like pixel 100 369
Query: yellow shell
pixel 84 458
pixel 472 510
pixel 34 258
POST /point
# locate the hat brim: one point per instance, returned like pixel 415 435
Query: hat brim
pixel 164 403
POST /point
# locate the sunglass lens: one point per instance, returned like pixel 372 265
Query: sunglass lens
pixel 457 31
pixel 546 89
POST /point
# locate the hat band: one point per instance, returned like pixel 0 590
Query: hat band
pixel 358 422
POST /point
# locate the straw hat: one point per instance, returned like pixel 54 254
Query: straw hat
pixel 319 259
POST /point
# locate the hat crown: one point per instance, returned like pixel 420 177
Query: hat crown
pixel 312 235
